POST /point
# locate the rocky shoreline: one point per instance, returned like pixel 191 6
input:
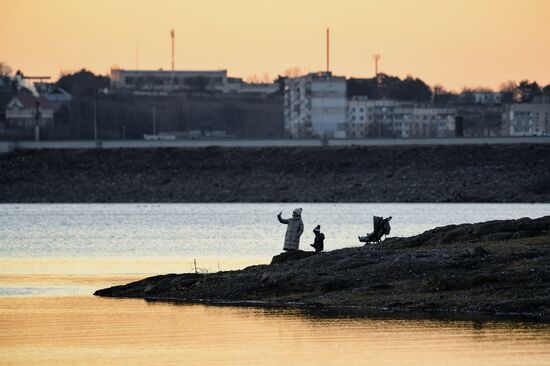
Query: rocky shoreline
pixel 468 173
pixel 498 268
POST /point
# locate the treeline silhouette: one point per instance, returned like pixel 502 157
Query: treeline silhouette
pixel 390 87
pixel 416 90
pixel 127 115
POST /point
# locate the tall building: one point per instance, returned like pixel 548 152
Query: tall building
pixel 315 106
pixel 390 118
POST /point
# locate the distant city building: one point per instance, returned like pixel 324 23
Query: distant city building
pixel 480 120
pixel 526 119
pixel 53 93
pixel 390 118
pixel 162 80
pixel 258 88
pixel 212 81
pixel 480 97
pixel 315 106
pixel 487 97
pixel 21 112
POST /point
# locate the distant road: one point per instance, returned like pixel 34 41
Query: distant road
pixel 142 144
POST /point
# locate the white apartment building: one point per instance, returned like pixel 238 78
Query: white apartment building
pixel 184 81
pixel 315 106
pixel 162 80
pixel 258 88
pixel 526 119
pixel 390 118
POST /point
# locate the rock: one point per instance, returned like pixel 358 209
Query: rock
pixel 418 273
pixel 479 252
pixel 149 288
pixel 291 256
pixel 498 236
pixel 336 284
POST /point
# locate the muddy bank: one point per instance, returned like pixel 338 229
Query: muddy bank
pixel 470 173
pixel 496 267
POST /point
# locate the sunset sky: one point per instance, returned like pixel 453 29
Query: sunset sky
pixel 452 42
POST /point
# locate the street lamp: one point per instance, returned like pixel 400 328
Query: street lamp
pixel 95 116
pixel 37 121
pixel 154 117
pixel 97 93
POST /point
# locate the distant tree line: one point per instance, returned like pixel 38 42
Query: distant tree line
pixel 416 90
pixel 525 91
pixel 390 87
pixel 130 116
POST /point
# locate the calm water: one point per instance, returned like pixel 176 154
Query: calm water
pixel 214 230
pixel 52 258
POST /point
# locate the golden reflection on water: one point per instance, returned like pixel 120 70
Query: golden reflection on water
pixel 93 266
pixel 82 330
pixel 77 276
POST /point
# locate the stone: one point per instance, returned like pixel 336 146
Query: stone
pixel 291 256
pixel 479 252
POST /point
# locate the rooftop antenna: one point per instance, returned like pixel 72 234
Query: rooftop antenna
pixel 137 56
pixel 376 59
pixel 328 50
pixel 172 35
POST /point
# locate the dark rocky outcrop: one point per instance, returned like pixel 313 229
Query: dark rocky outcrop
pixel 469 173
pixel 496 267
pixel 291 256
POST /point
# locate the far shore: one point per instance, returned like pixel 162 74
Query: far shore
pixel 512 173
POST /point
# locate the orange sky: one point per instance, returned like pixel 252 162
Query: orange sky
pixel 453 42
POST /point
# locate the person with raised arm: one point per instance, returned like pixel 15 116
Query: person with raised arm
pixel 295 228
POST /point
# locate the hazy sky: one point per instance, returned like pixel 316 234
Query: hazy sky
pixel 453 42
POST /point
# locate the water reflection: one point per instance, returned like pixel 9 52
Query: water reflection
pixel 83 330
pixel 53 250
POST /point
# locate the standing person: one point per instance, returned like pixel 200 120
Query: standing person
pixel 319 242
pixel 295 228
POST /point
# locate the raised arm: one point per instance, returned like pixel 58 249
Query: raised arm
pixel 281 220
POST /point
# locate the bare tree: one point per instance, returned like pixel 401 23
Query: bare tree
pixel 482 89
pixel 508 86
pixel 5 69
pixel 293 72
pixel 266 78
pixel 439 89
pixel 509 90
pixel 252 79
pixel 256 79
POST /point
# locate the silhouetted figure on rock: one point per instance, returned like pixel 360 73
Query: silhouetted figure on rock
pixel 295 228
pixel 319 241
